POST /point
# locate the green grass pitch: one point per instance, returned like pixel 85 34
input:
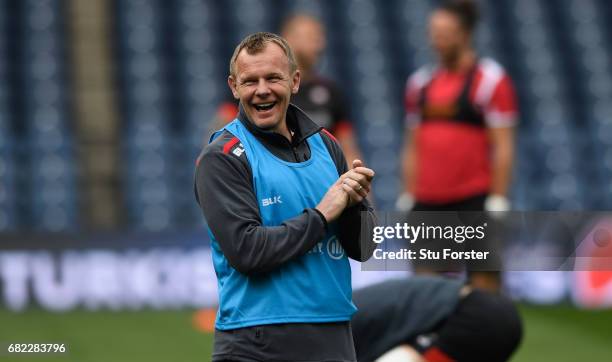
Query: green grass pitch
pixel 555 334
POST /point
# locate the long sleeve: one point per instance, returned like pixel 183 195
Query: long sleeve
pixel 225 193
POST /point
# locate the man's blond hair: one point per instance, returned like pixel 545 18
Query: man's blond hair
pixel 256 43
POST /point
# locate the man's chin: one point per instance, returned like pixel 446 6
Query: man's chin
pixel 267 124
pixel 449 57
pixel 265 120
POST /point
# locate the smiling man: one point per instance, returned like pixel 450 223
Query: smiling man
pixel 284 213
pixel 263 78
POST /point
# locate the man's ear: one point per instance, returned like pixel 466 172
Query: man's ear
pixel 231 82
pixel 296 82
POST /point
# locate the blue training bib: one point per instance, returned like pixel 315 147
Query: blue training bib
pixel 313 288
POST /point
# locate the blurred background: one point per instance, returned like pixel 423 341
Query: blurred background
pixel 105 105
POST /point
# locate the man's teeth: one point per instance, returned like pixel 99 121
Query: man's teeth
pixel 264 106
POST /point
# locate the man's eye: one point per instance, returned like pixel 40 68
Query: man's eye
pixel 274 79
pixel 248 82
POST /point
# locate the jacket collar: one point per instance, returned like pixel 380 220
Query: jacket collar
pixel 297 122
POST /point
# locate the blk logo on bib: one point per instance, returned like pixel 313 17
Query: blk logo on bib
pixel 271 201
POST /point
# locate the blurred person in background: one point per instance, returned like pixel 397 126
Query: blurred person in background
pixel 320 98
pixel 433 319
pixel 284 214
pixel 461 113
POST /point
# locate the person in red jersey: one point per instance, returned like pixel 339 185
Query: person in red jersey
pixel 461 114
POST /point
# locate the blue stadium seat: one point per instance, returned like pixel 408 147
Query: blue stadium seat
pixel 8 204
pixel 146 95
pixel 250 16
pixel 53 181
pixel 49 175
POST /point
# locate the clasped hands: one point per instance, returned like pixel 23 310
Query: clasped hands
pixel 350 189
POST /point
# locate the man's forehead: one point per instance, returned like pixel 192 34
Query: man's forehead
pixel 271 58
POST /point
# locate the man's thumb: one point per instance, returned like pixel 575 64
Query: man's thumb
pixel 357 163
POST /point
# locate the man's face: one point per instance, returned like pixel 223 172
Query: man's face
pixel 307 40
pixel 264 85
pixel 446 35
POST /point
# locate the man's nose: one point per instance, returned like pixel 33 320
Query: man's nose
pixel 262 88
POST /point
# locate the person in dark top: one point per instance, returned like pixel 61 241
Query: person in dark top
pixel 319 97
pixel 433 319
pixel 284 213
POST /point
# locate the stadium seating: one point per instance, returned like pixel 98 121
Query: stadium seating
pixel 8 208
pixel 171 66
pixel 43 143
pixel 199 85
pixel 143 72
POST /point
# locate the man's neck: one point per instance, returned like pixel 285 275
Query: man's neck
pixel 283 130
pixel 464 62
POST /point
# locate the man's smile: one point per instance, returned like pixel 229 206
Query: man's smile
pixel 262 107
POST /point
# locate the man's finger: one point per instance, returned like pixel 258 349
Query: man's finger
pixel 355 175
pixel 357 163
pixel 363 180
pixel 368 172
pixel 360 189
pixel 362 177
pixel 352 193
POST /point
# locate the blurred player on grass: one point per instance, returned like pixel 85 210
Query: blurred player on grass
pixel 433 319
pixel 461 113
